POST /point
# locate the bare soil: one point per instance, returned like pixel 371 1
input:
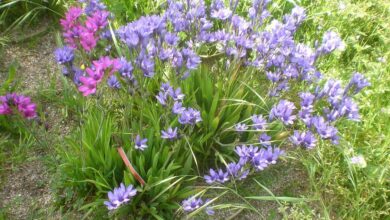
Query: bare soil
pixel 25 190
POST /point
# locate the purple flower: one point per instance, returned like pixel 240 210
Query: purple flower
pixel 171 39
pixel 305 139
pixel 246 153
pixel 265 140
pixel 165 54
pixel 178 108
pixel 140 144
pixel 147 66
pixel 166 88
pixel 93 6
pixel 333 90
pixel 259 122
pixel 64 55
pixel 126 69
pixel 193 60
pixel 349 109
pixel 99 18
pixel 217 4
pixel 176 94
pixel 358 82
pixel 305 115
pixel 330 42
pixel 294 19
pixel 169 134
pixel 265 157
pixel 236 170
pixel 120 196
pixel 307 100
pixel 162 98
pixel 221 14
pixel 209 210
pixel 113 82
pixel 260 161
pixel 273 154
pixel 192 204
pixel 273 77
pixel 304 56
pixel 129 35
pixel 283 111
pixel 216 176
pixel 65 71
pixel 190 116
pixel 240 23
pixel 325 130
pixel 241 127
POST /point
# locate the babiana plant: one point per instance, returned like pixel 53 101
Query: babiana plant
pixel 196 90
pixel 15 109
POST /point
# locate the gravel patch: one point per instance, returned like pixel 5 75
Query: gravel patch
pixel 25 188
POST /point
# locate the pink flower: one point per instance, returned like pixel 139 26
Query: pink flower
pixel 22 103
pixel 87 41
pixel 100 18
pixel 116 65
pixel 26 107
pixel 91 25
pixel 88 87
pixel 5 109
pixel 71 17
pixel 95 74
pixel 103 63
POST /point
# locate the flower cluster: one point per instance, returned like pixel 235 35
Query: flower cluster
pixel 13 103
pixel 96 73
pixel 258 158
pixel 193 203
pixel 119 196
pixel 166 92
pixel 169 42
pixel 338 104
pixel 80 31
pixel 149 40
pixel 284 112
pixel 168 96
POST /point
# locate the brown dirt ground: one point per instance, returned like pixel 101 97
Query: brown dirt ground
pixel 25 188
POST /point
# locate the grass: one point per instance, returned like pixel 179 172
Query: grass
pixel 338 189
pixel 18 13
pixel 342 190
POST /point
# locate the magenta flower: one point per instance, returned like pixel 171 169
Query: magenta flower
pixel 5 101
pixel 100 18
pixel 103 63
pixel 71 17
pixel 96 74
pixel 88 86
pixel 87 41
pixel 5 109
pixel 91 25
pixel 25 106
pixel 21 103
